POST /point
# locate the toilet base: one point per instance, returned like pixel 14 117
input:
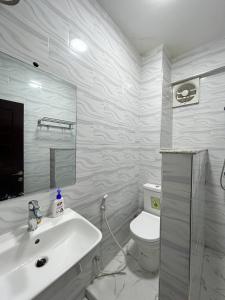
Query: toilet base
pixel 148 257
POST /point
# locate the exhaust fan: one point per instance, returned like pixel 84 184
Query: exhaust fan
pixel 186 93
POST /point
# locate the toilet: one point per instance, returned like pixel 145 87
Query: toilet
pixel 145 229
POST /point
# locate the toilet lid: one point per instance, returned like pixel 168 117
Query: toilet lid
pixel 146 226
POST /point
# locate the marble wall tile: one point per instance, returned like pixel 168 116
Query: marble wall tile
pixel 200 60
pixel 150 119
pixel 155 120
pixel 15 35
pixel 167 113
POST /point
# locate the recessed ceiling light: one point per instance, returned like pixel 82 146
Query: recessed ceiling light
pixel 78 45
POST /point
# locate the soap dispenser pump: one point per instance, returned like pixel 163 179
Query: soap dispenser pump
pixel 58 204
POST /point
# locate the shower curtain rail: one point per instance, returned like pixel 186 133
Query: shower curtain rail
pixel 201 75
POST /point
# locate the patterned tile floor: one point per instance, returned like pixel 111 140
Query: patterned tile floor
pixel 213 277
pixel 135 284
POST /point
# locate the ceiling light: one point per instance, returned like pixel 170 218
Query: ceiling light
pixel 78 45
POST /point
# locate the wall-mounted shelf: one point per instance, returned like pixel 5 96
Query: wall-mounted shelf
pixel 56 123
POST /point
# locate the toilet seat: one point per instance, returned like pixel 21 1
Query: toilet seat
pixel 146 227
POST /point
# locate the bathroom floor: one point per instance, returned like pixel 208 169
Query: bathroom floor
pixel 213 276
pixel 136 284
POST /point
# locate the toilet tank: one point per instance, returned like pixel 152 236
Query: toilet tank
pixel 152 193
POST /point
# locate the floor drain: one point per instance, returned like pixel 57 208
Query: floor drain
pixel 41 262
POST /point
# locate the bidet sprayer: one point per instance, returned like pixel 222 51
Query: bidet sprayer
pixel 103 201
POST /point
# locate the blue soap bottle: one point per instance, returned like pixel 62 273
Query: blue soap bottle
pixel 58 204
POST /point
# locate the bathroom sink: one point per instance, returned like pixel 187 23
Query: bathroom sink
pixel 30 261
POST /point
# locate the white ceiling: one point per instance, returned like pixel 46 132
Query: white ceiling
pixel 179 24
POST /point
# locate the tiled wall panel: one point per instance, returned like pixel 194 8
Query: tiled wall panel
pixel 182 225
pixel 167 113
pixel 175 226
pixel 155 119
pixel 150 106
pixel 199 169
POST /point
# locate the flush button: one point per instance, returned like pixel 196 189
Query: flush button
pixel 155 202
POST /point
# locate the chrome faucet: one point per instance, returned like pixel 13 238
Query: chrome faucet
pixel 34 215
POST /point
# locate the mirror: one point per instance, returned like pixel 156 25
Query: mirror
pixel 37 129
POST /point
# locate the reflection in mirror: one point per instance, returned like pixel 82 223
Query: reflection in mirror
pixel 62 167
pixel 37 129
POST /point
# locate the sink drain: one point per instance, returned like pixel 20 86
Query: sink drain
pixel 41 262
pixel 37 241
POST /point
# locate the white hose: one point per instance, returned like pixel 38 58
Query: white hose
pixel 120 271
pixel 112 234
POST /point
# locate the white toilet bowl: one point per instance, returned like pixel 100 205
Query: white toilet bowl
pixel 145 231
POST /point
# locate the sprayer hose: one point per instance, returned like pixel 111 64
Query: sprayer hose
pixel 121 270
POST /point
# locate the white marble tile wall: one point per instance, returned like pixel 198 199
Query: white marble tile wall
pixel 107 80
pixel 205 58
pixel 203 126
pixel 155 123
pixel 150 117
pixel 167 112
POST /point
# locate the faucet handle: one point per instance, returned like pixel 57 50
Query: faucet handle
pixel 38 214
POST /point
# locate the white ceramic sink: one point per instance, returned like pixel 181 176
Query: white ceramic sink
pixel 63 241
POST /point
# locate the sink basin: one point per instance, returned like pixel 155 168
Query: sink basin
pixel 31 261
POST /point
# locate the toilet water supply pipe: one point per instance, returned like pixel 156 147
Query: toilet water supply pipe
pixel 119 271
